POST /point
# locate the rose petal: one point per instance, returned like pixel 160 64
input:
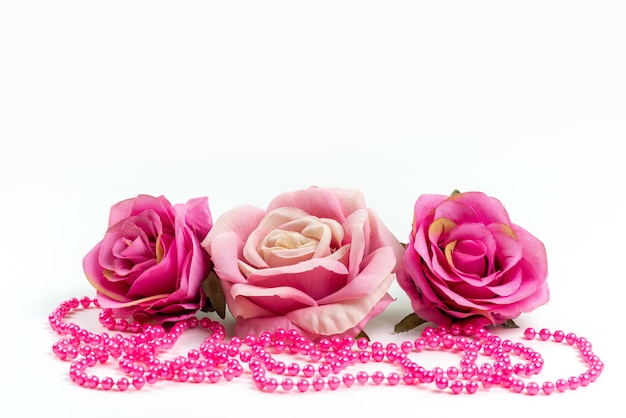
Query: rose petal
pixel 116 291
pixel 327 263
pixel 375 267
pixel 240 221
pixel 339 317
pixel 130 207
pixel 456 211
pixel 317 282
pixel 196 215
pixel 286 257
pixel 271 221
pixel 357 229
pixel 424 208
pixel 487 209
pixel 332 203
pixel 381 236
pixel 241 306
pixel 534 252
pixel 223 249
pixel 277 300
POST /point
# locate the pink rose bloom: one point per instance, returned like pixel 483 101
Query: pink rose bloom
pixel 150 263
pixel 467 262
pixel 316 260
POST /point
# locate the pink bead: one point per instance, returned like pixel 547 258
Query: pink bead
pixel 214 376
pixel 279 367
pixel 468 329
pixel 348 379
pixel 107 383
pixel 92 382
pixel 324 344
pixel 530 333
pixel 333 382
pixel 302 385
pixel 362 377
pixel 517 386
pixel 584 379
pixel 376 345
pixel 558 336
pixel 287 384
pixel 547 387
pixel 532 388
pixel 315 355
pixel 419 344
pixel 471 386
pixel 378 377
pixel 488 382
pixel 393 378
pixel 139 382
pixel 228 374
pixel 85 301
pixel 182 375
pixel 293 369
pixel 198 376
pixel 561 385
pixel 324 370
pixel 408 378
pixel 441 383
pixel 151 378
pixel 455 329
pixel 456 387
pixel 318 384
pixel 122 325
pixel 362 343
pixel 427 377
pixel 573 382
pixel 570 338
pixel 259 382
pixel 447 341
pixel 433 341
pixel 308 370
pixel 271 385
pixel 544 334
pixel 122 384
pixel 452 372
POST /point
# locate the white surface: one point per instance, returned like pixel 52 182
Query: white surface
pixel 239 101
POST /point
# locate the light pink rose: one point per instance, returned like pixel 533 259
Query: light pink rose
pixel 467 262
pixel 150 264
pixel 316 260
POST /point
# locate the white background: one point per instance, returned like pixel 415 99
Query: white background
pixel 240 101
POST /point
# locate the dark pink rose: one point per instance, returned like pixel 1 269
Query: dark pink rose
pixel 316 260
pixel 467 262
pixel 150 264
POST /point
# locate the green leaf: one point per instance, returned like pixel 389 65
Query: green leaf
pixel 455 191
pixel 215 300
pixel 408 323
pixel 362 334
pixel 510 324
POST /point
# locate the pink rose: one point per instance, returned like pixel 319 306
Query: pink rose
pixel 467 262
pixel 317 260
pixel 150 263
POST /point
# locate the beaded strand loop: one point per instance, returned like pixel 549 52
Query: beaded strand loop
pixel 137 357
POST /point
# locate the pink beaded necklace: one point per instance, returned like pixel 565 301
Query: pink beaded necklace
pixel 328 359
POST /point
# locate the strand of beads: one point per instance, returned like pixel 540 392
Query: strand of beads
pixel 328 363
pixel 137 354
